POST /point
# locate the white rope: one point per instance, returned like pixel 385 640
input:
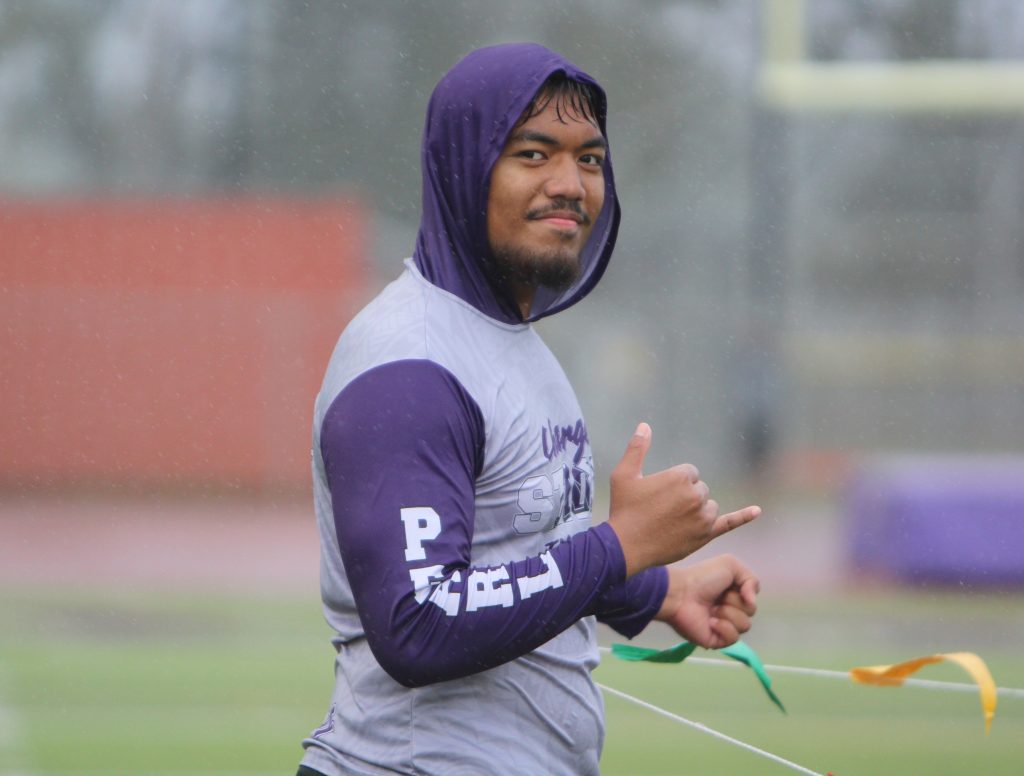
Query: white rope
pixel 927 684
pixel 709 731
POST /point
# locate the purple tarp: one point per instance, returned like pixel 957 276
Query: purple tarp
pixel 949 519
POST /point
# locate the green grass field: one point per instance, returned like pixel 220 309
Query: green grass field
pixel 94 683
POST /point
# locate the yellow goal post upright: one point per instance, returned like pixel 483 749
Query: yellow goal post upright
pixel 789 84
pixel 789 81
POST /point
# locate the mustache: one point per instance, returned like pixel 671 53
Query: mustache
pixel 559 206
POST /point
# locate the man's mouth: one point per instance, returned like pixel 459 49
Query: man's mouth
pixel 565 218
pixel 563 222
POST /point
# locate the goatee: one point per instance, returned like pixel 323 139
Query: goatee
pixel 556 270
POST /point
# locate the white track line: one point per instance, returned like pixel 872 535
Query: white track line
pixel 10 736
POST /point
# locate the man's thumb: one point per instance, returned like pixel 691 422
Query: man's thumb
pixel 632 463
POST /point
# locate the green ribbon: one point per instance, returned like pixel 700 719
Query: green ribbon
pixel 677 654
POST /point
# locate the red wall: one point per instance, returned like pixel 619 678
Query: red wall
pixel 170 342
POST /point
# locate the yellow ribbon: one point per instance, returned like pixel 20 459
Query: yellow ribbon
pixel 893 676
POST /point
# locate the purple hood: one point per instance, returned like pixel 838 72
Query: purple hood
pixel 471 113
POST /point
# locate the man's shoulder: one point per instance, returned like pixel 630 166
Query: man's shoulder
pixel 390 326
pixel 407 320
pixel 411 319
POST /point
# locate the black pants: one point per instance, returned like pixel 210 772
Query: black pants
pixel 306 771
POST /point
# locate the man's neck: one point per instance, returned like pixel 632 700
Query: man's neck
pixel 523 294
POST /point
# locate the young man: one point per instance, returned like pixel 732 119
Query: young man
pixel 452 469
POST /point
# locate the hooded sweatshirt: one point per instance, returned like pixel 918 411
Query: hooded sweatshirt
pixel 453 483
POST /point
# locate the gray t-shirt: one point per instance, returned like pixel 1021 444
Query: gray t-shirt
pixel 452 462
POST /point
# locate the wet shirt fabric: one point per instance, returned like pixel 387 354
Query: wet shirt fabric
pixel 453 483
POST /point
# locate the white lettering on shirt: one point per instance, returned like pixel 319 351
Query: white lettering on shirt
pixel 443 597
pixel 549 579
pixel 489 587
pixel 421 579
pixel 421 525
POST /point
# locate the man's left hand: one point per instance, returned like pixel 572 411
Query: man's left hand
pixel 710 603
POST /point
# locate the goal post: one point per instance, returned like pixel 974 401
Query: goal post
pixel 791 82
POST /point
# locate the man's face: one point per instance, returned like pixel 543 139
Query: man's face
pixel 547 189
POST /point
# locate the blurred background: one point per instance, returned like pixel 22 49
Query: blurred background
pixel 816 297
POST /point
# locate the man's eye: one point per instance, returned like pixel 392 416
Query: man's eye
pixel 534 156
pixel 592 159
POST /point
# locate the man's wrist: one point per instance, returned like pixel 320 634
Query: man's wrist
pixel 674 591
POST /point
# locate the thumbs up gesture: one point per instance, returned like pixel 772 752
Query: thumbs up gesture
pixel 661 518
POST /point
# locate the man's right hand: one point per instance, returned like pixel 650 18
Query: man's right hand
pixel 663 517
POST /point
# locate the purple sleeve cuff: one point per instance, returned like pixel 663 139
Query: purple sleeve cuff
pixel 628 608
pixel 402 445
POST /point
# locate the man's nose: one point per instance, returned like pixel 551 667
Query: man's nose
pixel 565 180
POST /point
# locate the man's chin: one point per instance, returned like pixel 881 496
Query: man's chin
pixel 560 277
pixel 555 271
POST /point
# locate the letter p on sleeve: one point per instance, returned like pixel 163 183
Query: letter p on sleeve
pixel 422 524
